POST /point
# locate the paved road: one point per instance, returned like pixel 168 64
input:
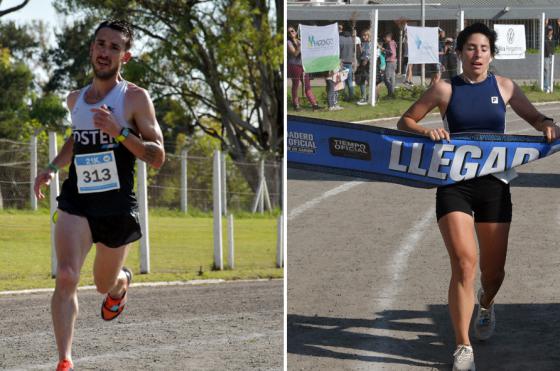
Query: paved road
pixel 368 274
pixel 228 326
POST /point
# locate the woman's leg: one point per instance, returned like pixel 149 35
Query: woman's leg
pixel 493 241
pixel 458 232
pixel 308 91
pixel 295 86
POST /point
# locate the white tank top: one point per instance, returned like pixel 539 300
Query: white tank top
pixel 82 117
pixel 101 175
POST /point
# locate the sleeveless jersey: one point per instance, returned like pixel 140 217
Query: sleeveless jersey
pixel 478 108
pixel 475 107
pixel 101 176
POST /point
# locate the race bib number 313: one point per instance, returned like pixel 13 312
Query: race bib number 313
pixel 97 172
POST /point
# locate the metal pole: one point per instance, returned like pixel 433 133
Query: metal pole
pixel 461 22
pixel 400 50
pixel 373 61
pixel 542 51
pixel 53 151
pixel 224 184
pixel 423 24
pixel 552 74
pixel 217 195
pixel 143 208
pixel 184 181
pixel 231 260
pixel 33 171
pixel 280 243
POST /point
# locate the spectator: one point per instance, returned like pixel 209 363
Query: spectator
pixel 407 66
pixel 549 45
pixel 295 71
pixel 449 59
pixel 441 52
pixel 347 55
pixel 362 72
pixel 390 51
pixel 335 83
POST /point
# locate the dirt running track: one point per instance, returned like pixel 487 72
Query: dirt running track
pixel 227 326
pixel 368 274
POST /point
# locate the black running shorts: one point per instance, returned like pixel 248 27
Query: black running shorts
pixel 113 230
pixel 487 197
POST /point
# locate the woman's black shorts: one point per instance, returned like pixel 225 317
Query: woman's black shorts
pixel 488 197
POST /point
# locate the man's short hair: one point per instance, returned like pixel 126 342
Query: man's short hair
pixel 118 25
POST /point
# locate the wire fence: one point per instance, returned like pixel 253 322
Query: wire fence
pixel 164 185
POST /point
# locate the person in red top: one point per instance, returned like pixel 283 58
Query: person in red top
pixel 295 71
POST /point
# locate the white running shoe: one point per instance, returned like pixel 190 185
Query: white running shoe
pixel 485 321
pixel 463 358
pixel 362 102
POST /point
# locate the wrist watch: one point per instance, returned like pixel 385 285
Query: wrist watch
pixel 122 135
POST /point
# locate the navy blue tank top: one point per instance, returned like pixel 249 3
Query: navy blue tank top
pixel 477 107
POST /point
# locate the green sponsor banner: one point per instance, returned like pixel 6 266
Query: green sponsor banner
pixel 320 64
pixel 319 48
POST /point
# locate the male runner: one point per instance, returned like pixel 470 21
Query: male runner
pixel 113 123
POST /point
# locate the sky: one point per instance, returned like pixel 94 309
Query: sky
pixel 35 9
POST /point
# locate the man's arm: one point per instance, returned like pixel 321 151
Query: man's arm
pixel 149 146
pixel 62 159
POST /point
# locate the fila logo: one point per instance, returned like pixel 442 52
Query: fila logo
pixel 494 100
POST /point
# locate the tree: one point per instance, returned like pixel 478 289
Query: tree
pixel 24 110
pixel 221 61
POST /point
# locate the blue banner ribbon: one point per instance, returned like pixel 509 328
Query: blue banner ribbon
pixel 400 157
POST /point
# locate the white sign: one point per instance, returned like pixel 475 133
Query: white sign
pixel 319 48
pixel 511 41
pixel 422 45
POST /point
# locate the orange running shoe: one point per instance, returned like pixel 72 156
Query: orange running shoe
pixel 111 307
pixel 65 365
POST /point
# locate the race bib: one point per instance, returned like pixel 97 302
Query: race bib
pixel 97 172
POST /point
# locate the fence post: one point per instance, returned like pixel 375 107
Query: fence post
pixel 261 181
pixel 143 208
pixel 224 184
pixel 184 188
pixel 280 243
pixel 231 259
pixel 53 195
pixel 33 171
pixel 217 195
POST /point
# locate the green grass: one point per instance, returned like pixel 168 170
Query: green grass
pixel 181 249
pixel 387 107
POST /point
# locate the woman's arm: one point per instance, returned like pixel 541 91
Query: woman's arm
pixel 525 109
pixel 293 47
pixel 437 95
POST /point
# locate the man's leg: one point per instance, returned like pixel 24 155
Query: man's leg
pixel 73 242
pixel 107 270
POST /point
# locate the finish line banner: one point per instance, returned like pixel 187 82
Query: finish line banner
pixel 400 157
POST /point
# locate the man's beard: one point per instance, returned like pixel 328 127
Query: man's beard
pixel 104 75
